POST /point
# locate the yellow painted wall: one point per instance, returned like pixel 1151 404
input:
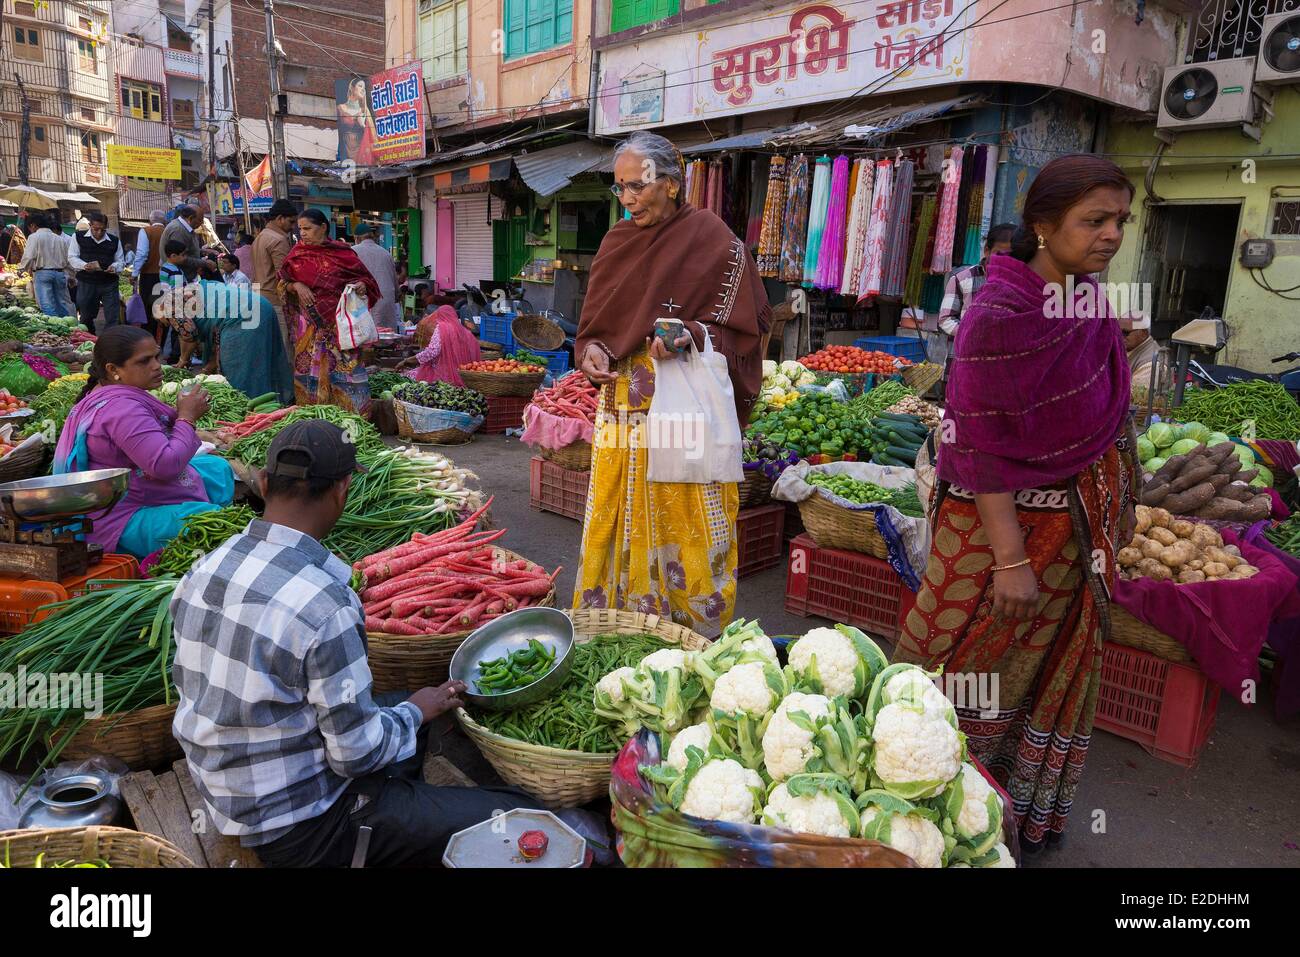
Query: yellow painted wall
pixel 1211 165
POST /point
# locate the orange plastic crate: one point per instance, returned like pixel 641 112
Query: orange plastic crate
pixel 504 412
pixel 110 567
pixel 1167 707
pixel 559 490
pixel 21 602
pixel 848 587
pixel 759 542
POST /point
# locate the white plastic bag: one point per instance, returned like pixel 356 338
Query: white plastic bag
pixel 693 433
pixel 356 327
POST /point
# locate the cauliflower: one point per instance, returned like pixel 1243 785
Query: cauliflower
pixel 769 369
pixel 743 688
pixel 787 748
pixel 696 736
pixel 742 703
pixel 729 650
pixel 812 804
pixel 974 810
pixel 717 789
pixel 781 382
pixel 916 752
pixel 909 833
pixel 665 659
pixel 835 661
pixel 1004 857
pixel 760 645
pixel 667 690
pixel 914 686
pixel 612 684
pixel 615 697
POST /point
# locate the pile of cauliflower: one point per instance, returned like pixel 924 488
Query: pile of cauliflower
pixel 781 384
pixel 838 743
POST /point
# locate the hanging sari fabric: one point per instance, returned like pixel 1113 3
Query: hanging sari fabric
pixel 873 270
pixel 713 197
pixel 769 240
pixel 951 185
pixel 975 208
pixel 758 185
pixel 830 260
pixel 921 242
pixel 963 206
pixel 794 227
pixel 821 197
pixel 859 220
pixel 894 270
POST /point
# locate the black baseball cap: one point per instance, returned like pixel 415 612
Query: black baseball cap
pixel 328 452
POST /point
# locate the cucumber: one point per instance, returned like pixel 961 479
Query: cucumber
pixel 907 455
pixel 264 398
pixel 884 458
pixel 905 440
pixel 900 417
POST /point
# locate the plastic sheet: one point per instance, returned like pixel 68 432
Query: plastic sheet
pixel 423 419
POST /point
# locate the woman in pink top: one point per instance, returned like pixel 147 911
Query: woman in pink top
pixel 446 346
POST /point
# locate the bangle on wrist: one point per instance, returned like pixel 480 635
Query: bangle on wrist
pixel 1011 565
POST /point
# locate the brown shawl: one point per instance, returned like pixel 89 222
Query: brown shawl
pixel 690 260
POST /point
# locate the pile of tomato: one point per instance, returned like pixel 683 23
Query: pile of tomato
pixel 10 403
pixel 851 359
pixel 502 365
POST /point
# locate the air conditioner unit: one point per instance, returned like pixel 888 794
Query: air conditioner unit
pixel 1201 95
pixel 1279 49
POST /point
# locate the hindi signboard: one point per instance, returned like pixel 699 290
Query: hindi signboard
pixel 144 161
pixel 381 119
pixel 798 54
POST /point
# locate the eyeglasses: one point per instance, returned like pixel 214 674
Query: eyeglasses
pixel 633 188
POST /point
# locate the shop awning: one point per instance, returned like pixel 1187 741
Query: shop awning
pixel 548 171
pixel 74 197
pixel 749 140
pixel 489 172
pixel 882 122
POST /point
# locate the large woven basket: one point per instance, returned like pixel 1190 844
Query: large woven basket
pixel 537 333
pixel 411 662
pixel 141 739
pixel 118 846
pixel 756 489
pixel 504 383
pixel 834 527
pixel 576 456
pixel 491 350
pixel 1127 630
pixel 24 463
pixel 438 437
pixel 560 778
pixel 921 377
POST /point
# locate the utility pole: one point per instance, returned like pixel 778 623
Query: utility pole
pixel 239 146
pixel 212 112
pixel 279 174
pixel 24 133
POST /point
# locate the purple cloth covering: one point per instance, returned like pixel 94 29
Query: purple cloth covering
pixel 1034 397
pixel 1223 625
pixel 126 427
pixel 1284 632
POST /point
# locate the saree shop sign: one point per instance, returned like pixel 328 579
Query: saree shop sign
pixel 794 54
pixel 381 119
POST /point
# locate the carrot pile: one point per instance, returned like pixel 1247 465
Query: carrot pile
pixel 849 359
pixel 447 582
pixel 502 365
pixel 253 423
pixel 573 397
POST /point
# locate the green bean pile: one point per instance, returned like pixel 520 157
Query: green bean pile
pixel 200 534
pixel 386 380
pixel 1232 409
pixel 227 404
pixel 871 404
pixel 53 405
pixel 567 720
pixel 252 450
pixel 906 501
pixel 123 633
pixel 1286 536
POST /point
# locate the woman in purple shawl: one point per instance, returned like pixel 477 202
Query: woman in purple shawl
pixel 118 424
pixel 1035 467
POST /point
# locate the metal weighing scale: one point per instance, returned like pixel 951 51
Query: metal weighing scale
pixel 44 522
pixel 1205 336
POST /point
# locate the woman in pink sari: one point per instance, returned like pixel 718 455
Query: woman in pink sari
pixel 445 346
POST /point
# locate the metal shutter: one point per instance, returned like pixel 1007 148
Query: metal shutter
pixel 473 238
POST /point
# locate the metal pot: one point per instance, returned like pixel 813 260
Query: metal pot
pixel 79 800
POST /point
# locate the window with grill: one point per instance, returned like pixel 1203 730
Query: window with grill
pixel 1226 29
pixel 178 39
pixel 24 8
pixel 88 114
pixel 27 44
pixel 536 25
pixel 39 144
pixel 183 113
pixel 90 149
pixel 141 100
pixel 444 39
pixel 625 14
pixel 1286 218
pixel 87 58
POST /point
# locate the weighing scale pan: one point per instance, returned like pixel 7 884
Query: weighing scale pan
pixel 51 498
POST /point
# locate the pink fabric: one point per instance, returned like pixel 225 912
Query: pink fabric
pixel 855 255
pixel 947 226
pixel 873 270
pixel 1222 624
pixel 1284 634
pixel 548 431
pixel 830 260
pixel 455 346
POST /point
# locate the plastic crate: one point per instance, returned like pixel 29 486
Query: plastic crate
pixel 759 541
pixel 559 490
pixel 504 412
pixel 110 567
pixel 557 363
pixel 906 347
pixel 494 328
pixel 1167 707
pixel 21 601
pixel 847 587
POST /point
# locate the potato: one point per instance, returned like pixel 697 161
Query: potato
pixel 1178 554
pixel 1204 536
pixel 1230 549
pixel 1150 568
pixel 1215 569
pixel 1182 528
pixel 1152 549
pixel 1161 518
pixel 1196 564
pixel 1129 556
pixel 1143 519
pixel 1162 535
pixel 1189 575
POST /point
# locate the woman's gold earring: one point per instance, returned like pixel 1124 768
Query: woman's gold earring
pixel 1042 243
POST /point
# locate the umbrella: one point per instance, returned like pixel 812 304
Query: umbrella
pixel 28 196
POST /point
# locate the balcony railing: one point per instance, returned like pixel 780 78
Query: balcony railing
pixel 1223 29
pixel 183 63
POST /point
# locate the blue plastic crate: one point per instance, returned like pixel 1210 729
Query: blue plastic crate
pixel 906 347
pixel 557 363
pixel 497 329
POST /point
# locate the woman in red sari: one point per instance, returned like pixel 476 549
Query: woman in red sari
pixel 445 345
pixel 314 275
pixel 1035 467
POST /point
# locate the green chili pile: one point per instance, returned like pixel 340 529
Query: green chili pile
pixel 518 669
pixel 1286 536
pixel 567 719
pixel 1259 406
pixel 200 534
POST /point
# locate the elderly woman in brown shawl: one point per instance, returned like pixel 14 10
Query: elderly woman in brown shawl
pixel 661 548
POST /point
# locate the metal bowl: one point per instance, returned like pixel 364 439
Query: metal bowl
pixel 508 633
pixel 52 497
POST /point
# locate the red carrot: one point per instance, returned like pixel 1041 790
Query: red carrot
pixel 537 587
pixel 391 569
pixel 395 626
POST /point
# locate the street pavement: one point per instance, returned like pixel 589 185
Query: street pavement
pixel 1239 807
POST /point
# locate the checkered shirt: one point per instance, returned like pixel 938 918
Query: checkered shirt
pixel 957 295
pixel 275 713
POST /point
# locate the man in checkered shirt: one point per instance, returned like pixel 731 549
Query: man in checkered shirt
pixel 964 283
pixel 285 742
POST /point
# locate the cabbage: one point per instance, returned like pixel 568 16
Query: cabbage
pixel 1183 446
pixel 1152 465
pixel 1244 455
pixel 1195 431
pixel 1264 478
pixel 1146 450
pixel 1217 438
pixel 1162 435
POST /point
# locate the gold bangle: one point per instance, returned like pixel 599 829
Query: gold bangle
pixel 1004 568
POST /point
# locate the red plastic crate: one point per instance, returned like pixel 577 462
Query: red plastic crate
pixel 759 542
pixel 555 489
pixel 504 412
pixel 847 587
pixel 20 602
pixel 1166 707
pixel 114 567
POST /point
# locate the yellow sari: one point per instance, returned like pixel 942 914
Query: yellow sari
pixel 652 547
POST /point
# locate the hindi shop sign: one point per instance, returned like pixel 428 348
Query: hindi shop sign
pixel 144 161
pixel 796 54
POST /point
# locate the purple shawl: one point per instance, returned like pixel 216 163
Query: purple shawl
pixel 1035 396
pixel 126 427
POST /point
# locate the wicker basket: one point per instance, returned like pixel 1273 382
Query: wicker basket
pixel 537 333
pixel 1127 630
pixel 440 437
pixel 571 778
pixel 834 527
pixel 411 662
pixel 141 739
pixel 118 846
pixel 491 350
pixel 24 463
pixel 504 383
pixel 756 489
pixel 921 377
pixel 576 456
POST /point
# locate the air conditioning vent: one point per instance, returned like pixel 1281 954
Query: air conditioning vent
pixel 1201 95
pixel 1279 50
